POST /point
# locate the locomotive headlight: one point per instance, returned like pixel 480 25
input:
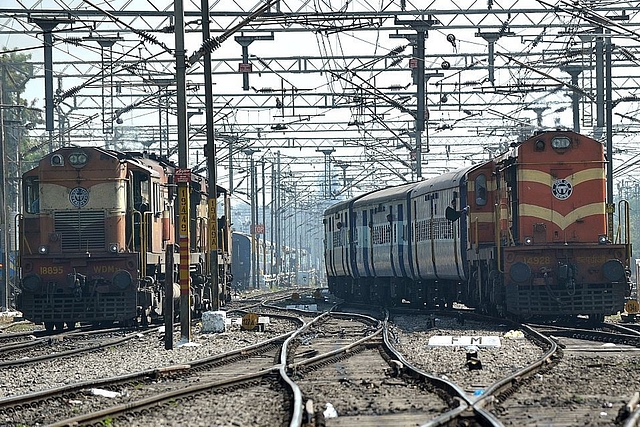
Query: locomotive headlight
pixel 78 159
pixel 113 248
pixel 520 272
pixel 613 270
pixel 43 250
pixel 602 239
pixel 560 142
pixel 122 279
pixel 31 283
pixel 528 241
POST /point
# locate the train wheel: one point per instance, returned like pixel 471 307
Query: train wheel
pixel 48 326
pixel 59 326
pixel 71 325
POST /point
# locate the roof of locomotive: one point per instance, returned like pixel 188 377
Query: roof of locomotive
pixel 144 160
pixel 513 151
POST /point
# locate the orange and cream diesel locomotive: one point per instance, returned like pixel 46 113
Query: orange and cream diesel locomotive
pixel 524 234
pixel 93 236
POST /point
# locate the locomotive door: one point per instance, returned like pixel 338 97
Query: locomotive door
pixel 139 197
pixel 480 197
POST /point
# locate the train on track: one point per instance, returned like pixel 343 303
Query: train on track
pixel 241 267
pixel 93 238
pixel 521 235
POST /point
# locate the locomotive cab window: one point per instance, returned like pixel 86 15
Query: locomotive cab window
pixel 31 195
pixel 481 190
pixel 141 189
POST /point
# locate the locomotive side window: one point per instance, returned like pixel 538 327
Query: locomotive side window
pixel 141 187
pixel 31 195
pixel 156 198
pixel 481 190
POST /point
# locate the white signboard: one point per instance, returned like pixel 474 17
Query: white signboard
pixel 307 307
pixel 464 341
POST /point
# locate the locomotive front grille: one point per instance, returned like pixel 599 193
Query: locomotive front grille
pixel 606 298
pixel 80 230
pixel 118 306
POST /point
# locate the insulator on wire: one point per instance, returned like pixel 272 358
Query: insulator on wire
pixel 396 50
pixel 70 92
pixel 395 62
pixel 149 37
pixel 73 40
pixel 504 28
pixel 211 44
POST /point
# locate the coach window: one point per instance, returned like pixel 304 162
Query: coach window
pixel 31 194
pixel 481 190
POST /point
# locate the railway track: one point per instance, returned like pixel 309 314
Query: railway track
pixel 48 347
pixel 350 370
pixel 132 393
pixel 372 372
pixel 589 384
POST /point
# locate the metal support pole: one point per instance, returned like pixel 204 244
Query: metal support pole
pixel 231 189
pixel 47 24
pixel 294 246
pixel 168 303
pixel 4 233
pixel 491 38
pixel 600 119
pixel 420 99
pixel 254 223
pixel 278 220
pixel 183 187
pixel 574 71
pixel 254 216
pixel 245 41
pixel 264 223
pixel 611 207
pixel 421 27
pixel 272 214
pixel 210 152
pixel 327 170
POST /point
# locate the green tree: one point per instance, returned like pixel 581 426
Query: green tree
pixel 20 114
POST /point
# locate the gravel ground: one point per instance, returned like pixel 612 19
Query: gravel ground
pixel 142 353
pixel 413 332
pixel 607 386
pixel 229 408
pixel 581 390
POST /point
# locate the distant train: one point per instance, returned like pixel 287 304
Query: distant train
pixel 523 234
pixel 241 267
pixel 94 232
pixel 243 251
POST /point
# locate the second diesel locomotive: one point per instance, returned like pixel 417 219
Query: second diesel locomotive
pixel 93 237
pixel 524 234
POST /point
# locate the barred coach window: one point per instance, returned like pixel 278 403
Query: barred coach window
pixel 481 190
